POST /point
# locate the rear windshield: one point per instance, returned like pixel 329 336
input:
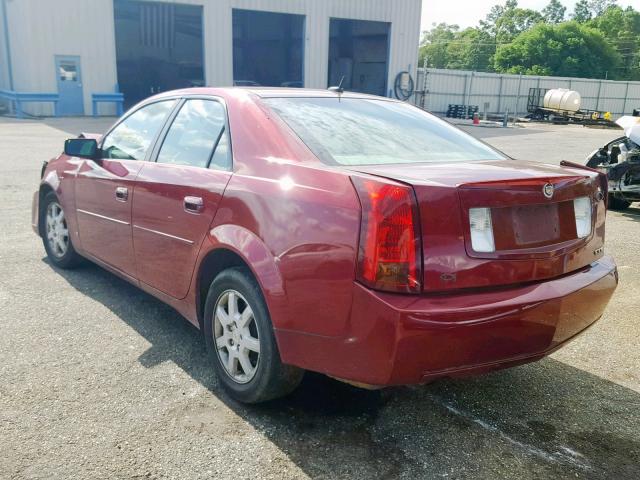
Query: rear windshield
pixel 358 131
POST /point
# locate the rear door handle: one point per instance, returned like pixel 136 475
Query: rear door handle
pixel 193 204
pixel 122 194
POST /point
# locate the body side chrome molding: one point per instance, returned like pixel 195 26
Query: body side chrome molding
pixel 115 220
pixel 180 239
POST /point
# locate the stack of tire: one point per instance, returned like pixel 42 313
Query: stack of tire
pixel 461 111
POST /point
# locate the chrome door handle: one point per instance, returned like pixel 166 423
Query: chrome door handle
pixel 193 204
pixel 122 194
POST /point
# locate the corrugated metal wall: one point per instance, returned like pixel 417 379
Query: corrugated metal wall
pixel 403 14
pixel 510 92
pixel 41 29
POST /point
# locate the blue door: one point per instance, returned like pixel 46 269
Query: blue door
pixel 69 85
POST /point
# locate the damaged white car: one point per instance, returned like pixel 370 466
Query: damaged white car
pixel 620 161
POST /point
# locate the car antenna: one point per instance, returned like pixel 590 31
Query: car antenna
pixel 339 88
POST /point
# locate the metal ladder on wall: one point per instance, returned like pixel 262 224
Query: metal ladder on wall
pixel 421 101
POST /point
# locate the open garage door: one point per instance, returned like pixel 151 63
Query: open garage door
pixel 268 49
pixel 359 53
pixel 159 47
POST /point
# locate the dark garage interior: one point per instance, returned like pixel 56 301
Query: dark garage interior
pixel 159 47
pixel 359 52
pixel 268 49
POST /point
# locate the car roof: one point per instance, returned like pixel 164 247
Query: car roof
pixel 268 92
pixel 273 92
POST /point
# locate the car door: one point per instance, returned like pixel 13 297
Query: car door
pixel 176 197
pixel 104 186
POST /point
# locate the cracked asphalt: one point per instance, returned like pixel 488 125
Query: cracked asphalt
pixel 100 380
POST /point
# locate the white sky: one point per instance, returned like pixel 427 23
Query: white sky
pixel 468 13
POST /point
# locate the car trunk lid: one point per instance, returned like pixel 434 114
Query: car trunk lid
pixel 531 218
pixel 535 235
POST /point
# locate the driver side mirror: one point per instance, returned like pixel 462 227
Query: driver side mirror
pixel 81 147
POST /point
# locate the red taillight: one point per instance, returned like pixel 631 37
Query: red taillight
pixel 389 254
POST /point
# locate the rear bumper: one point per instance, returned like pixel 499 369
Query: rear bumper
pixel 400 339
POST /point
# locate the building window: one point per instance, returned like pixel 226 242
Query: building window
pixel 159 47
pixel 268 49
pixel 359 52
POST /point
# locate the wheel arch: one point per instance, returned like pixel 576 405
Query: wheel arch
pixel 45 189
pixel 50 182
pixel 233 246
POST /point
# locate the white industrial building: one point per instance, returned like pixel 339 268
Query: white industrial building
pixel 75 49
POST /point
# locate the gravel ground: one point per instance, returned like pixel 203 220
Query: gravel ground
pixel 100 380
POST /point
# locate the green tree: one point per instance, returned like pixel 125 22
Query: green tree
pixel 504 23
pixel 582 11
pixel 493 15
pixel 515 21
pixel 585 10
pixel 473 49
pixel 598 7
pixel 446 46
pixel 621 28
pixel 554 12
pixel 602 39
pixel 569 49
pixel 435 43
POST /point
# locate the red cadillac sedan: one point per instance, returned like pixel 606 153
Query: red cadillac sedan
pixel 341 233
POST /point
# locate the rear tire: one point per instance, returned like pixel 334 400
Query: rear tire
pixel 55 234
pixel 616 203
pixel 241 342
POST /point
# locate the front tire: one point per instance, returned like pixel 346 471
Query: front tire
pixel 55 234
pixel 241 342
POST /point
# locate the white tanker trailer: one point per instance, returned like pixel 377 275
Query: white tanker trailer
pixel 560 105
pixel 562 100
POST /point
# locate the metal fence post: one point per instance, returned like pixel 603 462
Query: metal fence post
pixel 598 99
pixel 626 95
pixel 500 94
pixel 470 89
pixel 515 114
pixel 464 94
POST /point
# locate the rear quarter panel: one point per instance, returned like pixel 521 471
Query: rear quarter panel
pixel 293 219
pixel 308 222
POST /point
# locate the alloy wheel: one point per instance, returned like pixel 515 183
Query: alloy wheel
pixel 236 336
pixel 56 229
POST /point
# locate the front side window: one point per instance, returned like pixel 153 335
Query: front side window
pixel 198 136
pixel 360 131
pixel 131 139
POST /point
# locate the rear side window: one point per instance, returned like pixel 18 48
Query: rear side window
pixel 363 131
pixel 131 139
pixel 198 136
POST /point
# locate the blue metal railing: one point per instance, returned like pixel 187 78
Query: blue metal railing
pixel 18 98
pixel 117 98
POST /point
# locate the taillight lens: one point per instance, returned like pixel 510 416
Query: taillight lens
pixel 389 255
pixel 582 210
pixel 481 230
